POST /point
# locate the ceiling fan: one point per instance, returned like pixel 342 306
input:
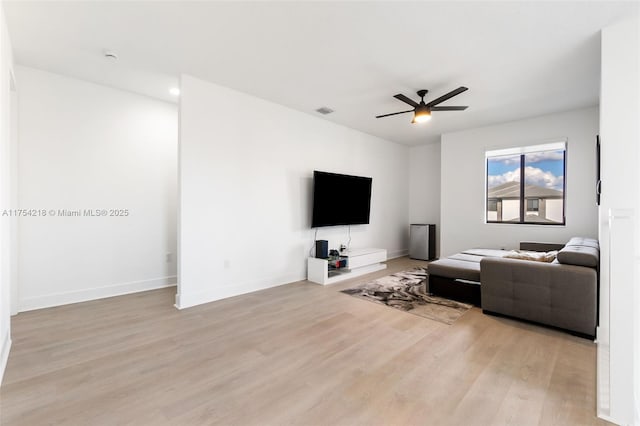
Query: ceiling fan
pixel 422 111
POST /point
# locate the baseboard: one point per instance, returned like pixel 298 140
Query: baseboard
pixel 184 301
pixel 4 353
pixel 59 299
pixel 397 253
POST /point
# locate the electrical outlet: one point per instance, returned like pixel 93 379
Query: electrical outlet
pixel 169 257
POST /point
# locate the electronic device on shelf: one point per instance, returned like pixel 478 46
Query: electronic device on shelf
pixel 337 263
pixel 322 249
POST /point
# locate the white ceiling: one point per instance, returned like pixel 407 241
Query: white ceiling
pixel 519 59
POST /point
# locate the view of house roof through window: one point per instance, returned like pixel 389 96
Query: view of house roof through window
pixel 526 184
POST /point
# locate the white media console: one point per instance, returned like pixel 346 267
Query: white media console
pixel 359 262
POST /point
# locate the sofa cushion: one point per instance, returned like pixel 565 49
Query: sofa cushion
pixel 456 269
pixel 585 242
pixel 480 252
pixel 466 257
pixel 580 255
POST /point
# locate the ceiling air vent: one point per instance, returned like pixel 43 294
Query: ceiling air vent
pixel 324 110
pixel 111 55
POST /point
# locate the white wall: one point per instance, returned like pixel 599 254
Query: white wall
pixel 85 146
pixel 246 168
pixel 463 181
pixel 424 186
pixel 619 231
pixel 12 190
pixel 6 66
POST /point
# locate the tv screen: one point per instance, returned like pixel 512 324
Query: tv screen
pixel 340 199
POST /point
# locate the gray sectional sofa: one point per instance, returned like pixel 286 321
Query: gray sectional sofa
pixel 562 294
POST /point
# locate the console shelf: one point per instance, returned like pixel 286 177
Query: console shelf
pixel 359 262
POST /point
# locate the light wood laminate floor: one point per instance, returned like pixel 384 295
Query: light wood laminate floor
pixel 295 354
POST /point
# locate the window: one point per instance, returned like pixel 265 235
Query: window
pixel 526 185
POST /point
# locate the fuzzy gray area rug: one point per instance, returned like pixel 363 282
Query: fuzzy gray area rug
pixel 407 291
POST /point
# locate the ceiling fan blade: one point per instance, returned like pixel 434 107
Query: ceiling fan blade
pixel 449 108
pixel 393 113
pixel 406 100
pixel 447 96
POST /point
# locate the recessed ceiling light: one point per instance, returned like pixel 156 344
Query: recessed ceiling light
pixel 174 91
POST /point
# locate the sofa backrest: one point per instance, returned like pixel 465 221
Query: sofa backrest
pixel 533 246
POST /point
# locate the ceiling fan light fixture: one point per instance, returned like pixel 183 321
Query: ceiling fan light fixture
pixel 422 115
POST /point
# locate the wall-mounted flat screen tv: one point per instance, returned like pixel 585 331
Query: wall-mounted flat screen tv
pixel 340 199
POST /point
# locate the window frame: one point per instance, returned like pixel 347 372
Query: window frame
pixel 522 152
